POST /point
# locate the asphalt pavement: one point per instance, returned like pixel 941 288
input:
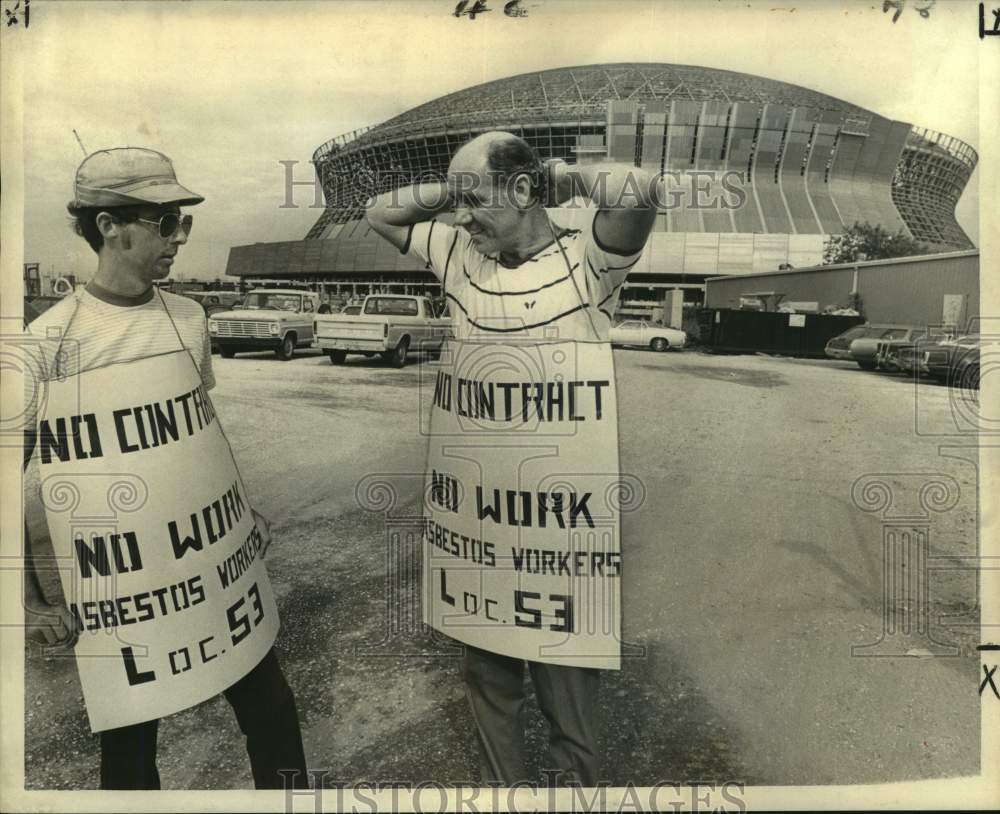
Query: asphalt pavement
pixel 761 642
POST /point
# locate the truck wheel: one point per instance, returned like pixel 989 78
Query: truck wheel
pixel 227 353
pixel 659 344
pixel 397 357
pixel 865 365
pixel 337 357
pixel 287 349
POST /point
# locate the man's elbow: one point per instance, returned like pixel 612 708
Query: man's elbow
pixel 380 226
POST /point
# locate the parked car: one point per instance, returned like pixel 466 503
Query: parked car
pixel 860 343
pixel 840 346
pixel 907 358
pixel 900 354
pixel 389 325
pixel 275 319
pixel 871 353
pixel 636 333
pixel 955 361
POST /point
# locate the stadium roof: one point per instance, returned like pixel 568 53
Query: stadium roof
pixel 587 88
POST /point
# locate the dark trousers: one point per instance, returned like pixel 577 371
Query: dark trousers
pixel 265 710
pixel 568 698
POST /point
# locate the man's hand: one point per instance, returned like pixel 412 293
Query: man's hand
pixel 50 624
pixel 264 525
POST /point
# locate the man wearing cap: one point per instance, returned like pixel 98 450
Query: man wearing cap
pixel 154 608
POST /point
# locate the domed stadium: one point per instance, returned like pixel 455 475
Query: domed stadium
pixel 764 171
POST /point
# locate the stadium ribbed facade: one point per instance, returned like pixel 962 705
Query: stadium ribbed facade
pixel 764 171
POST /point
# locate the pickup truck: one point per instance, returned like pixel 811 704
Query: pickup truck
pixel 390 325
pixel 277 319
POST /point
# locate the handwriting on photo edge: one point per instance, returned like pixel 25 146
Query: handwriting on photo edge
pixel 18 14
pixel 922 7
pixel 512 8
pixel 993 32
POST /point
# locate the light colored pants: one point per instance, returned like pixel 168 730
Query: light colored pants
pixel 568 698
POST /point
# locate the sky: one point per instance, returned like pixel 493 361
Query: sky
pixel 230 89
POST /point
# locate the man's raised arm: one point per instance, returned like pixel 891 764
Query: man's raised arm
pixel 392 213
pixel 625 195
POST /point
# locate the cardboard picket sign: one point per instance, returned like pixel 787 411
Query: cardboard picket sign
pixel 521 526
pixel 155 539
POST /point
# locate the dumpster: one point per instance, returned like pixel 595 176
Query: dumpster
pixel 727 330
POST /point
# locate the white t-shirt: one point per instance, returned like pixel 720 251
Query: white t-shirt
pixel 90 333
pixel 547 297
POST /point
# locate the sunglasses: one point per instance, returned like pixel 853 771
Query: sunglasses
pixel 168 224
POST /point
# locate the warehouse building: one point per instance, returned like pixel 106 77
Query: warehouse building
pixel 926 290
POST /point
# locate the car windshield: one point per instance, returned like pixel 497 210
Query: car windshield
pixel 277 302
pixel 854 333
pixel 391 306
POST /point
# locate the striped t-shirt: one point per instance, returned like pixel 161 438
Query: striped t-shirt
pixel 89 333
pixel 547 297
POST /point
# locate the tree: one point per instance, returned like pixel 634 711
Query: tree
pixel 873 242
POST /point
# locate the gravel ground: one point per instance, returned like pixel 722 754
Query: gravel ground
pixel 749 575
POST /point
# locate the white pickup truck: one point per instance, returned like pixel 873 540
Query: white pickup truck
pixel 389 324
pixel 277 319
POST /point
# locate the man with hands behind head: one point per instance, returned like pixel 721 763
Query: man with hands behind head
pixel 509 272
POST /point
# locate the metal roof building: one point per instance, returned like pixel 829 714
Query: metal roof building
pixel 933 289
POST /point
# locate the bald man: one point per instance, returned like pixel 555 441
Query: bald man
pixel 508 271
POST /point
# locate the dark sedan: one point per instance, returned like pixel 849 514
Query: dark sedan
pixel 954 361
pixel 899 353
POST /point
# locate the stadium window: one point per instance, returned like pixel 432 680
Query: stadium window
pixel 780 153
pixel 829 161
pixel 753 146
pixel 725 133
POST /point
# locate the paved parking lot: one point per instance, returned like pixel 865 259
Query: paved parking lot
pixel 750 572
